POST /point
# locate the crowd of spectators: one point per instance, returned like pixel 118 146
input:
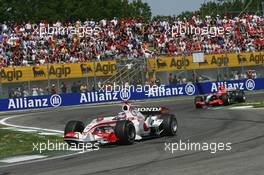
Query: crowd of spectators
pixel 249 74
pixel 24 91
pixel 79 41
pixel 177 78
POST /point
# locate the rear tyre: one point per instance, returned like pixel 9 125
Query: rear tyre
pixel 125 132
pixel 169 125
pixel 74 126
pixel 241 97
pixel 226 100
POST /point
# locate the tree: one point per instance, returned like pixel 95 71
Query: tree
pixel 227 7
pixel 139 9
pixel 36 10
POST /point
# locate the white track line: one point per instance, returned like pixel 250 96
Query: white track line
pixel 44 159
pixel 22 158
pixel 241 107
pixel 3 122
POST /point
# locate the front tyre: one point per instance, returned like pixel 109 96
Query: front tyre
pixel 169 125
pixel 241 97
pixel 125 132
pixel 73 126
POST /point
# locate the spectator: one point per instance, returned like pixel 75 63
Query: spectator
pixel 184 80
pixel 11 93
pixel 175 80
pixel 41 91
pixel 170 78
pixel 254 74
pixel 83 88
pixel 18 92
pixel 99 85
pixel 35 91
pixel 53 89
pixel 25 93
pixel 249 74
pixel 63 88
pixel 158 83
pixel 237 76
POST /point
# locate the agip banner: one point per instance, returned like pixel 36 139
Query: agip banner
pixel 131 93
pixel 54 71
pixel 210 61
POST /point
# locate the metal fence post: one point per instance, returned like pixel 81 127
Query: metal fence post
pixel 1 88
pixel 142 75
pixel 95 86
pixel 29 87
pixel 184 66
pixel 48 78
pixel 242 70
pixel 58 86
pixel 87 81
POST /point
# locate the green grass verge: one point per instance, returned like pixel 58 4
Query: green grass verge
pixel 14 143
pixel 254 104
pixel 259 105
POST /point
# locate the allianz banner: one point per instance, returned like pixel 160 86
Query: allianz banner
pixel 55 71
pixel 132 93
pixel 210 61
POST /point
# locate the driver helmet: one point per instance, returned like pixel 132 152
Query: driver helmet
pixel 221 88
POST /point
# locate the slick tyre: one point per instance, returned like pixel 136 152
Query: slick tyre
pixel 169 125
pixel 241 97
pixel 74 126
pixel 125 132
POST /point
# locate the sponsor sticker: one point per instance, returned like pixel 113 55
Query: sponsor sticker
pixel 250 84
pixel 190 89
pixel 125 94
pixel 55 100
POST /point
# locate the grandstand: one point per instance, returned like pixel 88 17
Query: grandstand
pixel 34 44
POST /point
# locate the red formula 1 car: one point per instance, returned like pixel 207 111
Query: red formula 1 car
pixel 127 126
pixel 223 97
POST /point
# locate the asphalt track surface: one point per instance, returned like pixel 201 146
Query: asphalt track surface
pixel 244 128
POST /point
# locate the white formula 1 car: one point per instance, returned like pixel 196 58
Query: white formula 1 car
pixel 129 125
